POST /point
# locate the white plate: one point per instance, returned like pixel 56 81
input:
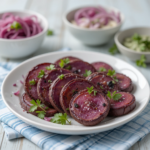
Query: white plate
pixel 141 92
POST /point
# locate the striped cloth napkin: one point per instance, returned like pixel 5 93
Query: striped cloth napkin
pixel 120 138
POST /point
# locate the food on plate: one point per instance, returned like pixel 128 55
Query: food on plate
pixel 96 18
pixel 89 108
pixel 125 104
pixel 86 92
pixel 124 83
pixel 15 27
pixel 33 77
pixel 80 67
pixel 45 83
pixel 70 89
pixel 102 66
pixel 139 43
pixel 57 85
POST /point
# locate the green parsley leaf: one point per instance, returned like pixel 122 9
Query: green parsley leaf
pixel 141 62
pixel 109 95
pixel 60 118
pixel 113 50
pixel 41 74
pixel 34 106
pixel 67 108
pixel 90 90
pixel 61 76
pixel 63 62
pixel 94 92
pixel 41 114
pixel 136 37
pixel 87 73
pixel 46 108
pixel 102 69
pixel 112 74
pixel 49 32
pixel 32 82
pixel 16 25
pixel 51 67
pixel 115 96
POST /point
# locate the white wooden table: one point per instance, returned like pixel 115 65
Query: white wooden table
pixel 136 13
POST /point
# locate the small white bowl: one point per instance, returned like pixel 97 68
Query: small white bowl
pixel 17 48
pixel 91 36
pixel 122 35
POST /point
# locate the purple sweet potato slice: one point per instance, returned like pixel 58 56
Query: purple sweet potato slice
pixel 33 75
pixel 45 83
pixel 103 82
pixel 79 67
pixel 70 89
pixel 124 83
pixel 123 106
pixel 71 58
pixel 25 104
pixel 56 87
pixel 89 109
pixel 99 65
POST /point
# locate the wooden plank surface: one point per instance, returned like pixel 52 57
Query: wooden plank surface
pixel 136 13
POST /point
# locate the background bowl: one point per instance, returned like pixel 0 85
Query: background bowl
pixel 16 48
pixel 122 35
pixel 91 36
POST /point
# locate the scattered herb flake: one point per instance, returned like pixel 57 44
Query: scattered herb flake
pixel 112 74
pixel 115 96
pixel 141 62
pixel 90 90
pixel 87 73
pixel 16 25
pixel 61 76
pixel 49 32
pixel 41 114
pixel 32 82
pixel 113 50
pixel 102 69
pixel 49 81
pixel 67 108
pixel 51 67
pixel 41 74
pixel 63 62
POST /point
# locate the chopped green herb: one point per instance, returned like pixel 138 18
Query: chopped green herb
pixel 113 50
pixel 63 62
pixel 46 108
pixel 115 96
pixel 32 82
pixel 112 74
pixel 67 108
pixel 68 67
pixel 16 25
pixel 49 81
pixel 41 74
pixel 61 76
pixel 101 87
pixel 51 67
pixel 87 73
pixel 141 62
pixel 49 32
pixel 90 90
pixel 60 118
pixel 30 88
pixel 41 114
pixel 102 69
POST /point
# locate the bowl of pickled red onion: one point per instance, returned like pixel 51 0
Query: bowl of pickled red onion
pixel 21 33
pixel 93 25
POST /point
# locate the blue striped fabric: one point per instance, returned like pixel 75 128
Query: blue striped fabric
pixel 120 138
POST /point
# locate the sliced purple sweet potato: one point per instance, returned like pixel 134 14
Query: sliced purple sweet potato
pixel 33 77
pixel 70 89
pixel 102 66
pixel 123 106
pixel 124 83
pixel 89 109
pixel 56 87
pixel 25 104
pixel 45 83
pixel 71 58
pixel 103 82
pixel 80 67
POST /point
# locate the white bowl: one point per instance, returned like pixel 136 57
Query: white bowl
pixel 16 48
pixel 122 35
pixel 91 36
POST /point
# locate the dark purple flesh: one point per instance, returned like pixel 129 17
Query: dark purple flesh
pixel 33 74
pixel 70 59
pixel 103 82
pixel 99 65
pixel 70 89
pixel 56 87
pixel 123 106
pixel 124 83
pixel 79 67
pixel 88 109
pixel 45 83
pixel 25 104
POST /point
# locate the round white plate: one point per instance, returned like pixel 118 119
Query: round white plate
pixel 141 92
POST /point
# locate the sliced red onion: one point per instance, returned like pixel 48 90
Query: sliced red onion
pixel 17 93
pixel 47 118
pixel 21 82
pixel 14 84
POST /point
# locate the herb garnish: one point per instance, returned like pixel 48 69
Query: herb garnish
pixel 49 32
pixel 141 62
pixel 63 62
pixel 49 81
pixel 102 69
pixel 16 25
pixel 115 96
pixel 90 90
pixel 113 50
pixel 60 118
pixel 61 76
pixel 67 108
pixel 87 73
pixel 32 82
pixel 41 74
pixel 112 74
pixel 51 67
